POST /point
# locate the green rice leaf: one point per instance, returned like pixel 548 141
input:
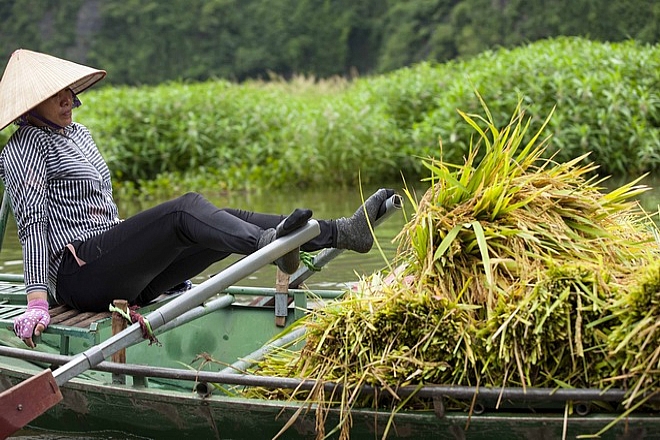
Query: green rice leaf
pixel 446 242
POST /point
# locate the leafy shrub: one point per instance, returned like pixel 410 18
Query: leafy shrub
pixel 605 96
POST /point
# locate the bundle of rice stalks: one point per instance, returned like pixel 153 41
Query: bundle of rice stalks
pixel 512 272
pixel 493 225
pixel 550 336
pixel 635 342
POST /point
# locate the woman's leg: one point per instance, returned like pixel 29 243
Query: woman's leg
pixel 123 261
pixel 131 260
pixel 325 239
pixel 189 264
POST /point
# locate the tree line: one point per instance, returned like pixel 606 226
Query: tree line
pixel 150 42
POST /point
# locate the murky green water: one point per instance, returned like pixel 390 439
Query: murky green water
pixel 329 203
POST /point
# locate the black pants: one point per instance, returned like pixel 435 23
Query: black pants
pixel 161 247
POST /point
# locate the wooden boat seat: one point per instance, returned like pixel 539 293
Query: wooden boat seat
pixel 64 316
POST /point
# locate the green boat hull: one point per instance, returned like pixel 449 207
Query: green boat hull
pixel 173 408
pixel 89 406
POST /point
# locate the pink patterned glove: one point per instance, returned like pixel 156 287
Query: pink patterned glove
pixel 36 313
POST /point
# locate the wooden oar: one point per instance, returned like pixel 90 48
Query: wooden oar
pixel 26 401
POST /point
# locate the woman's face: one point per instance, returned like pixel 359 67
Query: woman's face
pixel 57 108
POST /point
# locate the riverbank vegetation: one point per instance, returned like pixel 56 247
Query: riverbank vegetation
pixel 219 135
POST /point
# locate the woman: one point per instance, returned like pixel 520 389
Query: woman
pixel 76 249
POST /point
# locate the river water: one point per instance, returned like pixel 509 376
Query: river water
pixel 329 203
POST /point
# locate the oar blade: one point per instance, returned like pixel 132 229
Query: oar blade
pixel 21 404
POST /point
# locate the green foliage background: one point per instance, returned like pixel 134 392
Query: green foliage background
pixel 339 132
pixel 150 41
pixel 320 92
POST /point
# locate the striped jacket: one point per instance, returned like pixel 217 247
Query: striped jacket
pixel 60 190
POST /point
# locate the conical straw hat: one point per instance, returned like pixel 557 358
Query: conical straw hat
pixel 32 77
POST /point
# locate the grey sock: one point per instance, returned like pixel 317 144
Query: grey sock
pixel 354 233
pixel 289 262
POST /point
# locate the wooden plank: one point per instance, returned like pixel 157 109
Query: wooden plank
pixel 119 324
pixel 64 320
pixel 281 298
pixel 61 317
pixel 57 310
pixel 98 317
pixel 75 320
pixel 66 316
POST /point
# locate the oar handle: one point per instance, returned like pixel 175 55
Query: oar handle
pixel 185 302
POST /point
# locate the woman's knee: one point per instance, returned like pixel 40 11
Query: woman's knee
pixel 189 201
pixel 191 197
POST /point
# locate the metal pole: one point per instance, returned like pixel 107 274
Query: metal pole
pixel 184 303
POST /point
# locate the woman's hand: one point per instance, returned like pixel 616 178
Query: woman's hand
pixel 33 322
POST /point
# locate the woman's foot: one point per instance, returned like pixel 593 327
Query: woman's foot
pixel 289 262
pixel 354 233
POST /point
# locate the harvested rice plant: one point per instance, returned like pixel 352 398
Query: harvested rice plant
pixel 513 270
